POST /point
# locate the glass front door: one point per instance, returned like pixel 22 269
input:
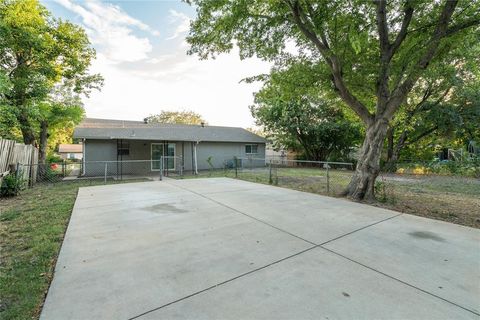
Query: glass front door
pixel 167 151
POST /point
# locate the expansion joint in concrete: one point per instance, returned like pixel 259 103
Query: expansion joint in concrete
pixel 314 246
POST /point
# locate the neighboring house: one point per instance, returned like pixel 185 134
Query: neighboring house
pixel 194 147
pixel 71 151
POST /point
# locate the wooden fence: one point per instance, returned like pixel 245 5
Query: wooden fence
pixel 13 153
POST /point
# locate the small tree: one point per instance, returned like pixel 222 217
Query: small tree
pixel 63 109
pixel 290 108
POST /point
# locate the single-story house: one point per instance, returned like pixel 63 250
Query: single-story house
pixel 70 151
pixel 191 147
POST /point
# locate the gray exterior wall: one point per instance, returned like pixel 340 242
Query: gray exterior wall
pixel 221 153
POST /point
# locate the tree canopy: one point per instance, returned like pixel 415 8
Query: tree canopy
pixel 370 54
pixel 38 51
pixel 176 117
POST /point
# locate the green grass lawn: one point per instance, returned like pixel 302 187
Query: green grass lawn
pixel 32 226
pixel 31 233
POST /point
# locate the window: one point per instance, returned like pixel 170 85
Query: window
pixel 251 149
pixel 123 148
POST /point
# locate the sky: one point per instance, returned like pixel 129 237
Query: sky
pixel 142 55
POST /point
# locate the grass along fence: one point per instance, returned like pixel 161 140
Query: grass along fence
pixel 454 198
pixel 323 177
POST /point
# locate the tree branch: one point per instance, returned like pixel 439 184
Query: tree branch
pixel 382 81
pixel 464 25
pixel 332 62
pixel 387 49
pixel 400 93
pixel 407 18
pixel 382 25
pixel 423 134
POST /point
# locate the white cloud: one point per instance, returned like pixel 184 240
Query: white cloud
pixel 182 21
pixel 139 81
pixel 211 88
pixel 111 30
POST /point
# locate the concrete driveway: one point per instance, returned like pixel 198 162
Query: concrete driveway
pixel 230 249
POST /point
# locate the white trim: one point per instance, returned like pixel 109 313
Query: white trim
pixel 195 156
pixel 163 152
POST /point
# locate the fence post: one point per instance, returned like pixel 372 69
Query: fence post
pixel 161 168
pixel 328 177
pixel 270 180
pixel 105 176
pixel 235 161
pixel 181 167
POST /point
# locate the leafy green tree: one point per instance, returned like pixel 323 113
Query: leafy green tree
pixel 372 52
pixel 38 51
pixel 7 118
pixel 441 104
pixel 63 109
pixel 290 108
pixel 178 117
pixel 450 123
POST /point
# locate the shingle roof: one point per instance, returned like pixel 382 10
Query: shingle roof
pixel 70 148
pixel 92 128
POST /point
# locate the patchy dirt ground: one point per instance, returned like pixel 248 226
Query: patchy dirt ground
pixel 451 199
pixel 451 207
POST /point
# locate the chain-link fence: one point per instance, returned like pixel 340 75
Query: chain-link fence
pixel 313 176
pixel 99 171
pixel 454 198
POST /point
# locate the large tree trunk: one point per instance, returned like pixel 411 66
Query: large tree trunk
pixel 26 128
pixel 42 151
pixel 391 165
pixel 362 185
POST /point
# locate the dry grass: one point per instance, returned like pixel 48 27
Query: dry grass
pixel 448 198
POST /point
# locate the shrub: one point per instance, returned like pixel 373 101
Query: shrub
pixel 11 186
pixel 54 158
pixel 380 191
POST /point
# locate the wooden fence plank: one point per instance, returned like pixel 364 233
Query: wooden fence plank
pixel 12 153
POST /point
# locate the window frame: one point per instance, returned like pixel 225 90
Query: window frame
pixel 163 154
pixel 123 148
pixel 251 145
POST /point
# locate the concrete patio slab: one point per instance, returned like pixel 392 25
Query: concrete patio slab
pixel 312 217
pixel 439 257
pixel 115 264
pixel 314 285
pixel 224 248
